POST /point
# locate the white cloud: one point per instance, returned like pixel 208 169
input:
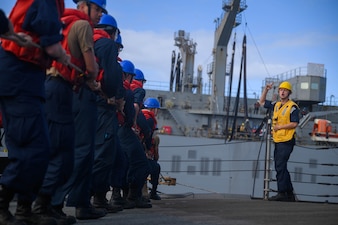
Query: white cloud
pixel 151 52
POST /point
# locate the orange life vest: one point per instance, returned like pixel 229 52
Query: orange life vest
pixel 98 34
pixel 136 84
pixel 69 17
pixel 33 55
pixel 150 115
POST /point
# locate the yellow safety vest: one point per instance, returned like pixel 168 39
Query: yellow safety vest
pixel 281 116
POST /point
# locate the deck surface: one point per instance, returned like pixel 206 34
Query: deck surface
pixel 212 209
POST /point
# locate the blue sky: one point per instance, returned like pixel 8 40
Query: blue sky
pixel 281 34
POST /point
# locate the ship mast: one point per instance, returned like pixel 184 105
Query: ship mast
pixel 217 70
pixel 185 78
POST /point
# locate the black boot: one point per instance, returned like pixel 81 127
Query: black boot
pixel 121 200
pixel 291 196
pixel 116 196
pixel 281 197
pixel 125 192
pixel 43 209
pixel 89 213
pixel 100 201
pixel 58 209
pixel 135 197
pixel 153 193
pixel 24 213
pixel 6 218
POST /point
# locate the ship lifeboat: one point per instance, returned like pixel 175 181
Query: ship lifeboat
pixel 322 131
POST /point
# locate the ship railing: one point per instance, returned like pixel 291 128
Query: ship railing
pixel 156 85
pixel 308 70
pixel 206 88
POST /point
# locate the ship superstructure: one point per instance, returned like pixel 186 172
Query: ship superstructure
pixel 218 143
pixel 190 112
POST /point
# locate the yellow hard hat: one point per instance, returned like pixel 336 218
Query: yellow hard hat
pixel 286 85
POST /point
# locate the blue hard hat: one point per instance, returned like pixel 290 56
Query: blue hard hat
pixel 119 40
pixel 139 75
pixel 128 67
pixel 151 103
pixel 99 3
pixel 107 20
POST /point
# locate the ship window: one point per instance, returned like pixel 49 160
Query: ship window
pixel 192 154
pixel 313 163
pixel 176 163
pixel 204 166
pixel 304 85
pixel 314 86
pixel 298 174
pixel 216 167
pixel 191 170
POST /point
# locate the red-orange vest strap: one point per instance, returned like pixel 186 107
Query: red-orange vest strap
pixel 150 115
pixel 33 55
pixel 126 85
pixel 98 34
pixel 69 17
pixel 136 84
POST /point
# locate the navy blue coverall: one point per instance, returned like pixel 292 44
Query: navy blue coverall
pixel 155 168
pixel 59 102
pixel 22 95
pixel 3 22
pixel 138 169
pixel 106 130
pixel 79 184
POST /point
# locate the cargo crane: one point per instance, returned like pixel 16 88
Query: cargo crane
pixel 217 69
pixel 182 67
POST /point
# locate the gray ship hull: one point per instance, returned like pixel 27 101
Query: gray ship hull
pixel 205 165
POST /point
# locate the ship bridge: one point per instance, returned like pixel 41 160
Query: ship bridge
pixel 308 84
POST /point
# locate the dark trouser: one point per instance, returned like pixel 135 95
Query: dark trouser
pixel 105 148
pixel 138 169
pixel 79 184
pixel 120 168
pixel 59 102
pixel 282 154
pixel 154 172
pixel 28 144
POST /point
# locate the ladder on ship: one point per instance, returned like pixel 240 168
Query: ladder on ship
pixel 177 121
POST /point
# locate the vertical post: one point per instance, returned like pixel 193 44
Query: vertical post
pixel 267 169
